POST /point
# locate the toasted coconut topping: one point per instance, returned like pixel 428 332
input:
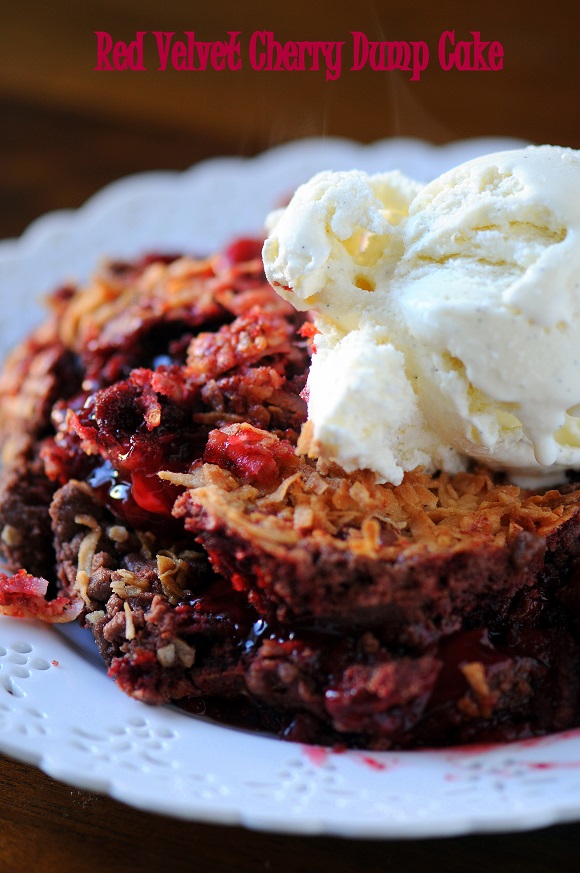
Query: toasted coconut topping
pixel 159 289
pixel 125 584
pixel 129 625
pixel 87 551
pixel 431 513
pixel 87 521
pixel 172 575
pixel 474 672
pixel 188 480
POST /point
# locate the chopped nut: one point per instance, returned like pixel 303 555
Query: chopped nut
pixel 94 617
pixel 359 493
pixel 280 493
pixel 117 533
pixel 166 655
pixel 303 517
pixel 185 653
pixel 11 535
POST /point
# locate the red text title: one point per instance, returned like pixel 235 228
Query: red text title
pixel 185 52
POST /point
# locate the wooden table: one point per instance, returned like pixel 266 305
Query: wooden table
pixel 67 130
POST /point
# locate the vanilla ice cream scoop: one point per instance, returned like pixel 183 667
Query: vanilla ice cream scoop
pixel 469 301
pixel 340 232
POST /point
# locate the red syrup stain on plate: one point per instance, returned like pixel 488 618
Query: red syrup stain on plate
pixel 316 755
pixel 550 765
pixel 374 764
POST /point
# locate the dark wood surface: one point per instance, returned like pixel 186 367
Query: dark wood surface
pixel 67 130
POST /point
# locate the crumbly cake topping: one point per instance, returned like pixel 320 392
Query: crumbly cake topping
pixel 382 521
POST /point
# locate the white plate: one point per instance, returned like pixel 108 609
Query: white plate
pixel 59 710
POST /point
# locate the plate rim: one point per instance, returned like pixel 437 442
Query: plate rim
pixel 34 237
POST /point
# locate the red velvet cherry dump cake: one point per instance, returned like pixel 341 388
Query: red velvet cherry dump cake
pixel 152 488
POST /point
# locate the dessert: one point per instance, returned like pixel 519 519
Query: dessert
pixel 165 483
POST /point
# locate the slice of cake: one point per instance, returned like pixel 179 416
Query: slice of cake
pixel 152 488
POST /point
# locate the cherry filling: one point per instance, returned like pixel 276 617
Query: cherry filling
pixel 141 499
pixel 432 719
pixel 226 605
pixel 242 451
pixel 153 494
pixel 131 432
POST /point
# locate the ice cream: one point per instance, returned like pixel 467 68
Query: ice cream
pixel 449 314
